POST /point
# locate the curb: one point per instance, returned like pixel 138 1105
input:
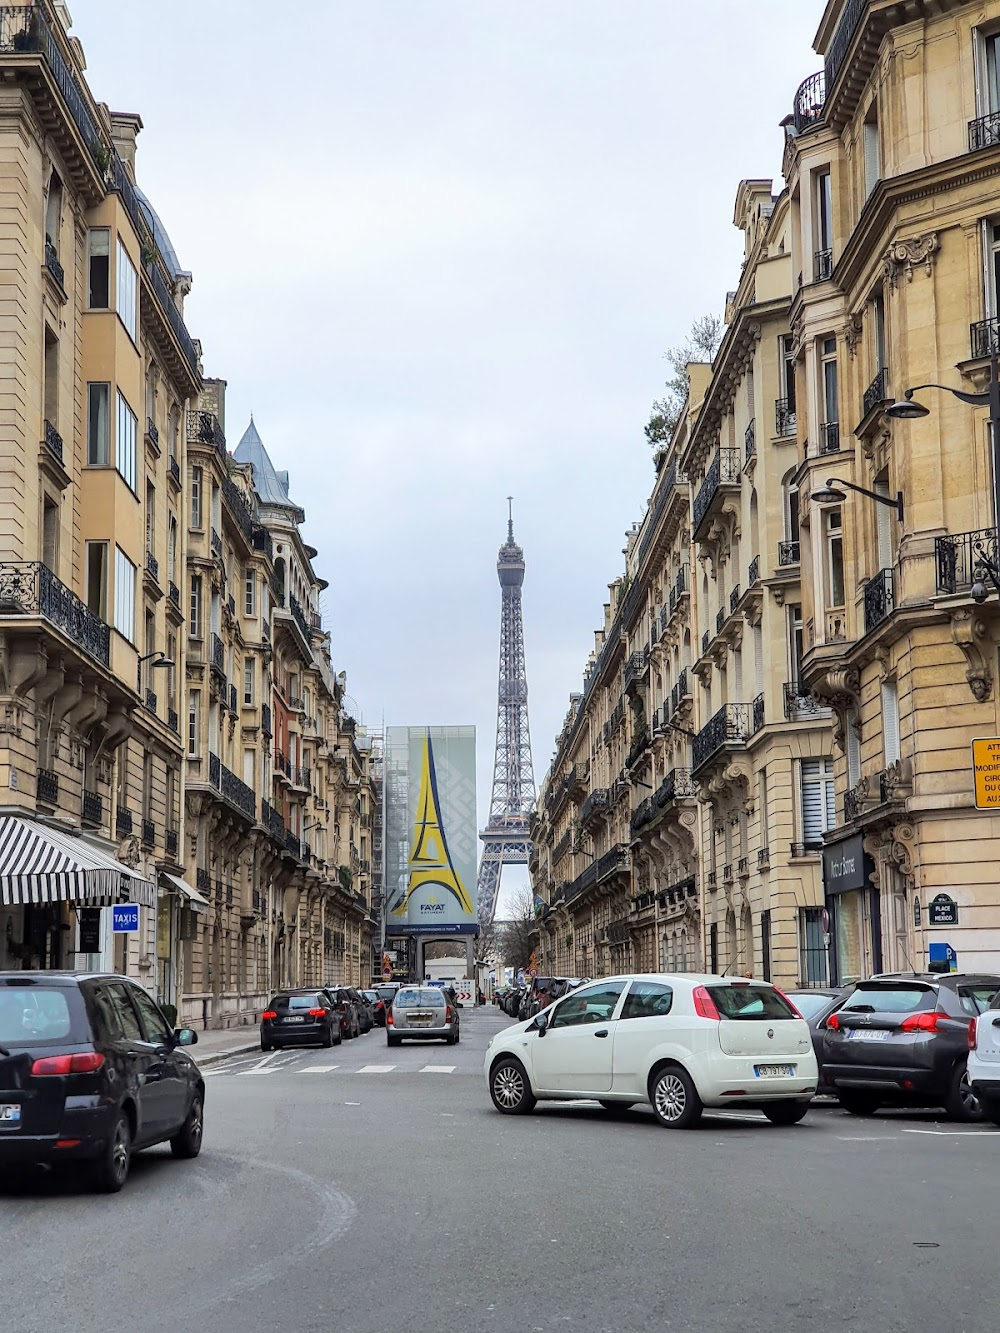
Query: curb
pixel 216 1057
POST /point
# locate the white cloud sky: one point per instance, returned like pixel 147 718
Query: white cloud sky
pixel 439 248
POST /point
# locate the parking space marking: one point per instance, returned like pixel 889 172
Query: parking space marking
pixel 259 1065
pixel 319 1069
pixel 376 1069
pixel 438 1069
pixel 948 1133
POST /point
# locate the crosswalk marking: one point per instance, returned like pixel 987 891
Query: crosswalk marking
pixel 259 1065
pixel 319 1069
pixel 438 1069
pixel 376 1069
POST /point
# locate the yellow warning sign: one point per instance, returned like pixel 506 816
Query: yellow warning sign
pixel 986 772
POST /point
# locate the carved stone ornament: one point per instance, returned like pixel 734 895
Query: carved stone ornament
pixel 902 257
pixel 129 852
pixel 969 632
pixel 852 331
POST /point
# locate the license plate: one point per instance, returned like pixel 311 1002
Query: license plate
pixel 421 1021
pixel 869 1034
pixel 10 1113
pixel 293 1020
pixel 774 1071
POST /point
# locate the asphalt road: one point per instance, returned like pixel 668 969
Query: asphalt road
pixel 367 1199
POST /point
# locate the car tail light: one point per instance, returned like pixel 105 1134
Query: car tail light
pixel 920 1023
pixel 833 1022
pixel 55 1065
pixel 704 1005
pixel 317 1013
pixel 388 1019
pixel 447 1014
pixel 269 1013
pixel 973 1034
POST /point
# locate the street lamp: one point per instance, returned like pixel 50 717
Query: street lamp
pixel 162 660
pixel 906 409
pixel 830 495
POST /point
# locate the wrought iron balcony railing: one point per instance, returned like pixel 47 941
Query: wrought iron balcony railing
pixel 984 131
pixel 216 542
pixel 203 880
pixel 240 508
pixel 807 109
pixel 174 593
pixel 29 587
pixel 262 540
pixel 758 714
pixel 822 265
pixel 174 469
pixel 151 700
pixel 704 642
pixel 148 833
pixel 720 619
pixel 750 440
pixel 153 567
pixel 784 417
pixel 93 807
pixel 877 392
pixel 53 441
pixel 272 821
pixel 265 720
pixel 679 691
pixel 959 557
pixel 218 654
pixel 850 20
pixel 878 599
pixel 173 721
pixel 829 437
pixel 724 469
pixel 799 702
pixel 763 856
pixel 232 788
pixel 53 265
pixel 152 434
pixel 729 726
pixel 47 788
pixel 734 599
pixel 292 844
pixel 984 337
pixel 123 821
pixel 753 574
pixel 299 617
pixel 788 554
pixel 171 841
pixel 596 803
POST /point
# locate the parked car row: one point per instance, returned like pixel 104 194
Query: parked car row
pixel 324 1015
pixel 523 1001
pixel 685 1042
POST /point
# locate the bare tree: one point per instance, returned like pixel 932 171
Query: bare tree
pixel 701 344
pixel 517 942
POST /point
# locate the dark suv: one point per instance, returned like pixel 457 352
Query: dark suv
pixel 903 1040
pixel 90 1069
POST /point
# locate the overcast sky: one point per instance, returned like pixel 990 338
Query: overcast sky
pixel 439 248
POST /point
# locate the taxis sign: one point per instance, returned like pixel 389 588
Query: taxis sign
pixel 986 772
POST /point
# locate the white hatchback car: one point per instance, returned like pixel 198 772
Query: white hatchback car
pixel 679 1042
pixel 983 1067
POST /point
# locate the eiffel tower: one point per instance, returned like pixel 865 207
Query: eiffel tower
pixel 505 838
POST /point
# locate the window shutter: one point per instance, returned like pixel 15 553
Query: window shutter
pixel 812 802
pixel 872 164
pixel 890 721
pixel 853 748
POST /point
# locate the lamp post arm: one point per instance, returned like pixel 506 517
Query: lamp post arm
pixel 975 399
pixel 893 503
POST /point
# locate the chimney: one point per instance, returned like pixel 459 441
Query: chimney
pixel 125 127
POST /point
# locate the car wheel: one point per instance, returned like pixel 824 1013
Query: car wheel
pixel 338 1039
pixel 391 1040
pixel 510 1089
pixel 458 1035
pixel 786 1113
pixel 186 1143
pixel 328 1038
pixel 615 1107
pixel 962 1103
pixel 110 1171
pixel 858 1103
pixel 265 1045
pixel 675 1098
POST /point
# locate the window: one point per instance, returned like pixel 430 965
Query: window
pixel 791 510
pixel 890 721
pixel 172 671
pixel 812 947
pixel 194 716
pixel 53 211
pixel 97 579
pixel 853 741
pixel 151 392
pixel 150 516
pixel 873 161
pixel 51 377
pixel 98 261
pixel 818 814
pixel 172 549
pixel 147 784
pixel 595 1004
pixel 831 408
pixel 647 999
pixel 127 288
pixel 125 443
pixel 194 620
pixel 50 533
pixel 988 77
pixel 249 680
pixel 795 641
pixel 878 331
pixel 249 767
pixel 788 370
pixel 98 433
pixel 824 226
pixel 196 489
pixel 765 943
pixel 125 1021
pixel 154 1024
pixel 834 535
pixel 250 594
pixel 745 1003
pixel 124 595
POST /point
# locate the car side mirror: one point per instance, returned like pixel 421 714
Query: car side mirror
pixel 541 1022
pixel 185 1037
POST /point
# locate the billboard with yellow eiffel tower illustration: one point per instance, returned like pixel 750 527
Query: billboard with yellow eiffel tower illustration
pixel 431 829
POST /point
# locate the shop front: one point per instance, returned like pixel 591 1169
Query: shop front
pixel 853 906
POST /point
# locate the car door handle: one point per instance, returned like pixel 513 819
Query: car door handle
pixel 603 1033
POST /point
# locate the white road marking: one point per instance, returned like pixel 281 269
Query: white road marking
pixel 376 1069
pixel 438 1069
pixel 739 1115
pixel 319 1069
pixel 259 1065
pixel 865 1138
pixel 948 1133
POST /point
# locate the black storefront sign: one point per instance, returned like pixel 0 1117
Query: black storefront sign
pixel 90 929
pixel 844 866
pixel 942 911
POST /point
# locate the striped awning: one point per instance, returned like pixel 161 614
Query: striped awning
pixel 39 864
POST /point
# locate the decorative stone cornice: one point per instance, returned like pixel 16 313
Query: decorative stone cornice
pixel 969 632
pixel 903 256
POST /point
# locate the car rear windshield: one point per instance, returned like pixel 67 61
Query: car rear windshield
pixel 296 1002
pixel 419 999
pixel 386 992
pixel 35 1015
pixel 900 999
pixel 977 999
pixel 750 1002
pixel 809 1003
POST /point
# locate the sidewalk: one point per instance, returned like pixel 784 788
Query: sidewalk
pixel 220 1044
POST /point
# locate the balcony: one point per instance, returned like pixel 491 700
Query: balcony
pixel 171 841
pixel 679 691
pixel 148 833
pixel 822 265
pixel 173 721
pixel 153 567
pixel 807 109
pixel 203 881
pixel 272 821
pixel 788 554
pixel 850 20
pixel 734 599
pixel 292 844
pixel 784 417
pixel 299 617
pixel 800 706
pixel 877 393
pixel 753 574
pixel 53 265
pixel 233 699
pixel 829 437
pixel 959 559
pixel 638 747
pixel 676 783
pixel 634 668
pixel 151 701
pixel 152 434
pixel 878 599
pixel 678 591
pixel 262 541
pixel 232 788
pixel 750 440
pixel 266 726
pixel 720 619
pixel 174 594
pixel 93 808
pixel 123 821
pixel 763 857
pixel 30 588
pixel 799 849
pixel 705 638
pixel 984 337
pixel 240 508
pixel 53 441
pixel 615 859
pixel 836 625
pixel 596 804
pixel 218 655
pixel 174 471
pixel 216 542
pixel 757 720
pixel 729 726
pixel 47 787
pixel 984 132
pixel 724 471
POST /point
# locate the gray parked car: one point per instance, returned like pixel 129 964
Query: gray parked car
pixel 421 1012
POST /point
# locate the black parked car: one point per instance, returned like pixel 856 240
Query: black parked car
pixel 377 1006
pixel 903 1040
pixel 816 1006
pixel 298 1016
pixel 340 998
pixel 90 1069
pixel 366 1019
